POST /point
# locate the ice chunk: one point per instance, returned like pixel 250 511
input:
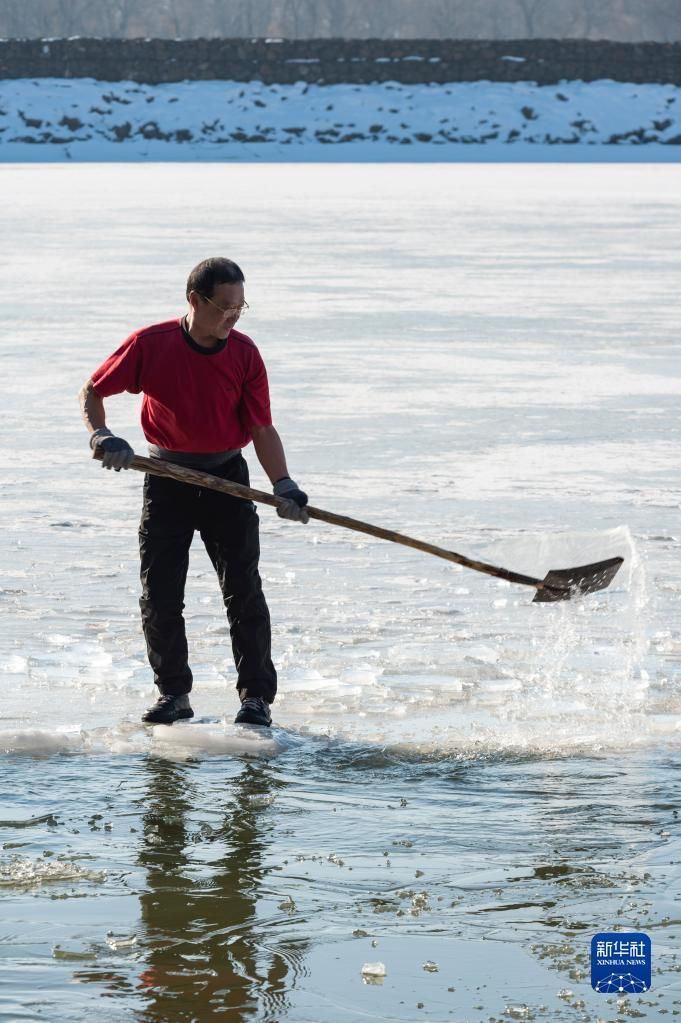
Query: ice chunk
pixel 14 665
pixel 22 872
pixel 214 739
pixel 374 970
pixel 57 639
pixel 39 740
pixel 72 955
pixel 119 941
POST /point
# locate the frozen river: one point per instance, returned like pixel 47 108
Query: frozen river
pixel 485 357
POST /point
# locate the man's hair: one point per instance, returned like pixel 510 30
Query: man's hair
pixel 210 272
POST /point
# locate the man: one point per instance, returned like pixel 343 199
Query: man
pixel 205 398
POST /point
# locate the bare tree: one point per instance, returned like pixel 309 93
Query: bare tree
pixel 579 19
pixel 335 18
pixel 300 18
pixel 448 18
pixel 246 18
pixel 663 19
pixel 494 19
pixel 570 19
pixel 173 13
pixel 17 21
pixel 116 18
pixel 530 10
pixel 627 20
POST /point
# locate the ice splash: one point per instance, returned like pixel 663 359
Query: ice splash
pixel 548 678
pixel 537 553
pixel 586 664
pixel 22 872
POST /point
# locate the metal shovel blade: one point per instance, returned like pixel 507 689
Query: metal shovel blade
pixel 564 583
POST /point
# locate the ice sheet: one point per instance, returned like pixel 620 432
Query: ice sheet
pixel 491 366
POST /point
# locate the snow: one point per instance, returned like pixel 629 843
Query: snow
pixel 85 119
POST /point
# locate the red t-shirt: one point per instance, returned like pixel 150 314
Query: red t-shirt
pixel 195 399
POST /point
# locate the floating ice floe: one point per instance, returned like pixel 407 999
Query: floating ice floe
pixel 373 972
pixel 120 941
pixel 217 738
pixel 40 740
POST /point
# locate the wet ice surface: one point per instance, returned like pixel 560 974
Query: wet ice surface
pixel 480 357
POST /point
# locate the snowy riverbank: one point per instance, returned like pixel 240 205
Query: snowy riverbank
pixel 84 119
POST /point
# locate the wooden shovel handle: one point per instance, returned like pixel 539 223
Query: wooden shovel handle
pixel 183 474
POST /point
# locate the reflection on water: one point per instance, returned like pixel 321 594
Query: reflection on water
pixel 254 893
pixel 202 953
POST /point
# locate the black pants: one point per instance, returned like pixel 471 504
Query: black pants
pixel 228 526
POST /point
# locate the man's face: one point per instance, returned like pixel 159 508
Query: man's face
pixel 215 316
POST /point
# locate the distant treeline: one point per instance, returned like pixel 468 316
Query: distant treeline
pixel 625 20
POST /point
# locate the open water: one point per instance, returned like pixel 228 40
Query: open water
pixel 463 786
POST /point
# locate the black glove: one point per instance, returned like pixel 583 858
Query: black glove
pixel 116 452
pixel 293 507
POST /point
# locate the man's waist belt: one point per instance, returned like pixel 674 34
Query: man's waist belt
pixel 194 460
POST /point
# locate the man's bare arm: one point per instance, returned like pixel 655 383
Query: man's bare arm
pixel 270 451
pixel 91 407
pixel 115 452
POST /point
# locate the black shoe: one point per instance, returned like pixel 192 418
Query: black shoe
pixel 167 709
pixel 254 711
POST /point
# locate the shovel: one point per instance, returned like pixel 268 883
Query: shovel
pixel 558 584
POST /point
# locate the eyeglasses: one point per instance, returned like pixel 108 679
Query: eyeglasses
pixel 230 310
